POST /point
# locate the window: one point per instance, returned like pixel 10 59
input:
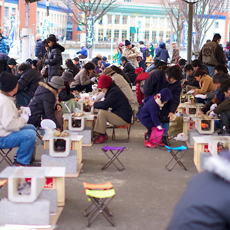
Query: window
pixel 38 16
pixel 132 21
pixel 127 0
pixel 108 35
pixel 216 25
pixel 154 22
pixel 168 37
pixel 146 35
pixel 117 19
pixel 52 17
pixel 100 21
pixel 109 19
pixel 154 36
pixel 6 13
pixel 161 36
pixel 13 11
pixel 169 23
pixel 116 35
pixel 161 22
pixel 124 20
pixel 131 37
pixel 43 17
pixel 147 22
pixel 100 35
pixel 124 35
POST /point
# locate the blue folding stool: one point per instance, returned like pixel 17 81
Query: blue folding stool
pixel 174 156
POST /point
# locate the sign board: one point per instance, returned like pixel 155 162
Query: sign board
pixel 89 32
pixel 45 28
pixel 185 34
pixel 140 31
pixel 12 31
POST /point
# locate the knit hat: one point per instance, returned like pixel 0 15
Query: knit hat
pixel 121 44
pixel 11 61
pixel 67 76
pixel 8 81
pixel 104 58
pixel 127 42
pixel 104 81
pixel 108 71
pixel 57 82
pixel 166 95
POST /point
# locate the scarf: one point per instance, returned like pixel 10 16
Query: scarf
pixel 158 100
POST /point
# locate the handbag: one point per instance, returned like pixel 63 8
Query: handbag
pixel 156 135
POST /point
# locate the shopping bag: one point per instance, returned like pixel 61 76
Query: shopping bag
pixel 156 135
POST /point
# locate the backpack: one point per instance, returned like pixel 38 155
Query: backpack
pixel 115 55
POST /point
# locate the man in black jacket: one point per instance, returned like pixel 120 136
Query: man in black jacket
pixel 43 103
pixel 129 69
pixel 27 84
pixel 159 80
pixel 121 113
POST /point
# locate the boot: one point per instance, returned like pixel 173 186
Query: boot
pixel 149 144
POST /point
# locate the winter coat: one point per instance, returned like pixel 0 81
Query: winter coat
pixel 82 78
pixel 126 78
pixel 74 70
pixel 162 53
pixel 227 54
pixel 133 53
pixel 115 99
pixel 29 81
pixel 212 54
pixel 83 51
pixel 205 203
pixel 42 105
pixel 206 85
pixel 141 77
pixel 223 106
pixel 149 58
pixel 175 55
pixel 124 87
pixel 204 67
pixel 105 64
pixel 129 70
pixel 38 50
pixel 4 45
pixel 65 94
pixel 191 81
pixel 154 84
pixel 117 56
pixel 54 61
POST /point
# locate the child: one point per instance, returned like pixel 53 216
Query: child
pixel 149 113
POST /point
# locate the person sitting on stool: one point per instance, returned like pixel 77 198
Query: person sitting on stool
pixel 14 132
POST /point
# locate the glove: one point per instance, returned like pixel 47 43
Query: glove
pixel 212 114
pixel 213 106
pixel 26 110
pixel 159 127
pixel 202 96
pixel 25 116
pixel 77 52
pixel 190 92
pixel 93 79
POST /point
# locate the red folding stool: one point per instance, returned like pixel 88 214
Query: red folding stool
pixel 114 156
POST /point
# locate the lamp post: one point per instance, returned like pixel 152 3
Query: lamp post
pixel 190 26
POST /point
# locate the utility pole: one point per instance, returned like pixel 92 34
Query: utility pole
pixel 190 27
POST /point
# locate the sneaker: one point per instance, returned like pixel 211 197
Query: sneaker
pixel 161 144
pixel 149 144
pixel 101 139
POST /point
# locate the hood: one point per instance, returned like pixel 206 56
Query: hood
pixel 166 95
pixel 219 165
pixel 141 77
pixel 162 45
pixel 49 88
pixel 142 46
pixel 57 46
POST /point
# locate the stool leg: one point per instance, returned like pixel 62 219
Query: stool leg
pixel 5 157
pixel 178 160
pixel 111 160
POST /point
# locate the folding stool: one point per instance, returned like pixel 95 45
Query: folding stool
pixel 114 156
pixel 100 199
pixel 105 186
pixel 127 127
pixel 5 157
pixel 174 156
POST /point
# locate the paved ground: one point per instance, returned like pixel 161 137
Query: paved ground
pixel 146 192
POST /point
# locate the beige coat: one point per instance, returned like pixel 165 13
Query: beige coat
pixel 10 120
pixel 133 54
pixel 206 85
pixel 125 88
pixel 82 78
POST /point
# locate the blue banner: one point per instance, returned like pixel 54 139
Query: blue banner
pixel 12 31
pixel 185 34
pixel 89 32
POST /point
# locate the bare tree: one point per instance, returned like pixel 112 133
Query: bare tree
pixel 91 8
pixel 202 12
pixel 174 10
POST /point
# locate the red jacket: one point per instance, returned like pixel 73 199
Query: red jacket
pixel 140 96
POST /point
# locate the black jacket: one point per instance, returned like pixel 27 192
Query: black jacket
pixel 191 81
pixel 54 61
pixel 74 70
pixel 42 105
pixel 115 99
pixel 65 94
pixel 29 81
pixel 122 73
pixel 129 70
pixel 154 84
pixel 38 50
